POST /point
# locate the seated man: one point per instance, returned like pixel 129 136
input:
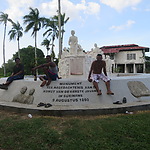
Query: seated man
pixel 51 71
pixel 17 74
pixel 95 74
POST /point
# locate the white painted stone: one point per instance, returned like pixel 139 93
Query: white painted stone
pixel 73 42
pixel 138 89
pixel 74 63
pixel 76 93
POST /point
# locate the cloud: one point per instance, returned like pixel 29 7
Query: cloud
pixel 17 8
pixel 93 8
pixel 72 10
pixel 148 9
pixel 119 5
pixel 128 24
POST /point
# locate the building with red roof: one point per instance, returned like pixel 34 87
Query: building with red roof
pixel 128 58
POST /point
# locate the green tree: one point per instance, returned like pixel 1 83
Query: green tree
pixel 64 20
pixel 52 31
pixel 3 19
pixel 27 58
pixel 16 33
pixel 46 43
pixel 9 66
pixel 52 26
pixel 33 21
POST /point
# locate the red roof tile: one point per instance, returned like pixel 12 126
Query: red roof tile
pixel 118 48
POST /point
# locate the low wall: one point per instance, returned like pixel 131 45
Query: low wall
pixel 74 94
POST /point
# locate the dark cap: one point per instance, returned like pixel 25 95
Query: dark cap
pixel 17 58
pixel 99 54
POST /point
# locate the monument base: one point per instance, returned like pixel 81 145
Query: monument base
pixel 69 96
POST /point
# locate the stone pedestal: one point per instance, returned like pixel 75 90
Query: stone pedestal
pixel 74 66
pixel 75 63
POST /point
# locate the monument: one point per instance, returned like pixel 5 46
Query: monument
pixel 96 50
pixel 75 63
pixel 73 42
pixel 73 94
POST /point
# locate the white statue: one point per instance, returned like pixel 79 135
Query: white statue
pixel 64 52
pixel 30 97
pixel 94 51
pixel 109 63
pixel 97 50
pixel 73 42
pixel 21 97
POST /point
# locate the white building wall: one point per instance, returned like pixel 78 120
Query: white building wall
pixel 121 57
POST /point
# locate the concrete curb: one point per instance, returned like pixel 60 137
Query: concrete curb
pixel 75 112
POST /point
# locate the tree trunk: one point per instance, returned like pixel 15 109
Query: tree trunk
pixel 4 50
pixel 18 49
pixel 52 48
pixel 62 36
pixel 36 51
pixel 59 25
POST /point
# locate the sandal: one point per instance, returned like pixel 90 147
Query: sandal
pixel 41 104
pixel 110 93
pixel 99 92
pixel 117 102
pixel 48 105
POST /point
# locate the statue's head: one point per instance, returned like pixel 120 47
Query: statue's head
pixel 72 32
pixel 95 45
pixel 107 57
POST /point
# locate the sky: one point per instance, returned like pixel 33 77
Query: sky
pixel 104 22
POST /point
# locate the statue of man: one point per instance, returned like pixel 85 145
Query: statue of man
pixel 73 42
pixel 97 49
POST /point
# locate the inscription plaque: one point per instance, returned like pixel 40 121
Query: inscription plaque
pixel 70 92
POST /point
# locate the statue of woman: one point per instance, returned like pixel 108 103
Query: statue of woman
pixel 73 42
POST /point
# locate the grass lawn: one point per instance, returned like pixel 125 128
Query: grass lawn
pixel 109 132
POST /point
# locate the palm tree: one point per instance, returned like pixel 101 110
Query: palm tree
pixel 53 28
pixel 52 31
pixel 33 21
pixel 53 55
pixel 63 22
pixel 46 43
pixel 16 32
pixel 3 19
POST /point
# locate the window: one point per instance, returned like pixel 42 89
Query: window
pixel 131 56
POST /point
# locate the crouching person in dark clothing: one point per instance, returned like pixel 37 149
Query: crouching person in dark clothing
pixel 17 74
pixel 51 71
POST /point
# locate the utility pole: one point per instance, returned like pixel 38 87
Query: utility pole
pixel 59 25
